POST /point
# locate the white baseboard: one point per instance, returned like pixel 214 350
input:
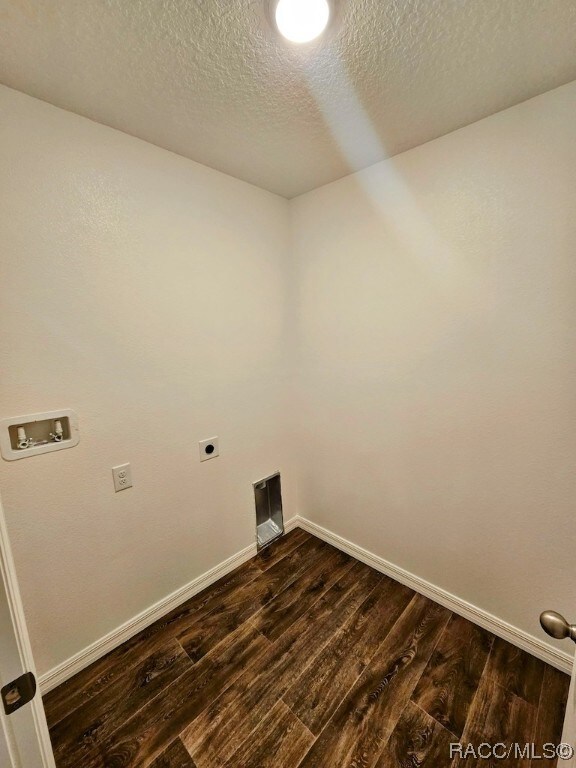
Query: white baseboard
pixel 537 647
pixel 104 645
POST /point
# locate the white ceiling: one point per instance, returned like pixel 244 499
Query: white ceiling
pixel 210 79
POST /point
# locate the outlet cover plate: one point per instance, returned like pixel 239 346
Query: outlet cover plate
pixel 209 449
pixel 122 477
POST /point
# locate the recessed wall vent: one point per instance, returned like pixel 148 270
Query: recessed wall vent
pixel 269 518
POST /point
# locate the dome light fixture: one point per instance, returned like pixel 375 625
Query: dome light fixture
pixel 301 21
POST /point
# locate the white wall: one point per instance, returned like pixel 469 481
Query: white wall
pixel 432 300
pixel 147 293
pixel 438 359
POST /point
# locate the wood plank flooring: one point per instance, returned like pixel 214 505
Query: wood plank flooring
pixel 305 657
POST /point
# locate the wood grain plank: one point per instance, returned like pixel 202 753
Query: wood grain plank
pixel 175 756
pixel 83 729
pixel 364 721
pixel 280 741
pixel 517 671
pixel 342 649
pixel 316 694
pixel 149 732
pixel 418 741
pixel 94 679
pixel 550 718
pixel 233 610
pixel 280 548
pixel 215 735
pixel 497 716
pixel 298 597
pixel 449 682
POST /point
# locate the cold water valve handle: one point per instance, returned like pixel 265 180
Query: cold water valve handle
pixel 556 626
pixel 58 434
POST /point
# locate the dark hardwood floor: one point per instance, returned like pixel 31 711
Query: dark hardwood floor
pixel 305 657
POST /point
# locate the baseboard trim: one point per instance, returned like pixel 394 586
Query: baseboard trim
pixel 537 647
pixel 70 667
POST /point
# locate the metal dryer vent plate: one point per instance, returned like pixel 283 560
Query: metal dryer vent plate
pixel 269 516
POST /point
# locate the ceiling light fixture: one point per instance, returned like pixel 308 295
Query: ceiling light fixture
pixel 301 21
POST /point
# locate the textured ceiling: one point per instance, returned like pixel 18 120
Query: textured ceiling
pixel 211 80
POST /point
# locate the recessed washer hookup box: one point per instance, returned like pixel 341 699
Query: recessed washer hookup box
pixel 23 436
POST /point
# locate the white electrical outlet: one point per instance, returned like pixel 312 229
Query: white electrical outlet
pixel 209 449
pixel 122 477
